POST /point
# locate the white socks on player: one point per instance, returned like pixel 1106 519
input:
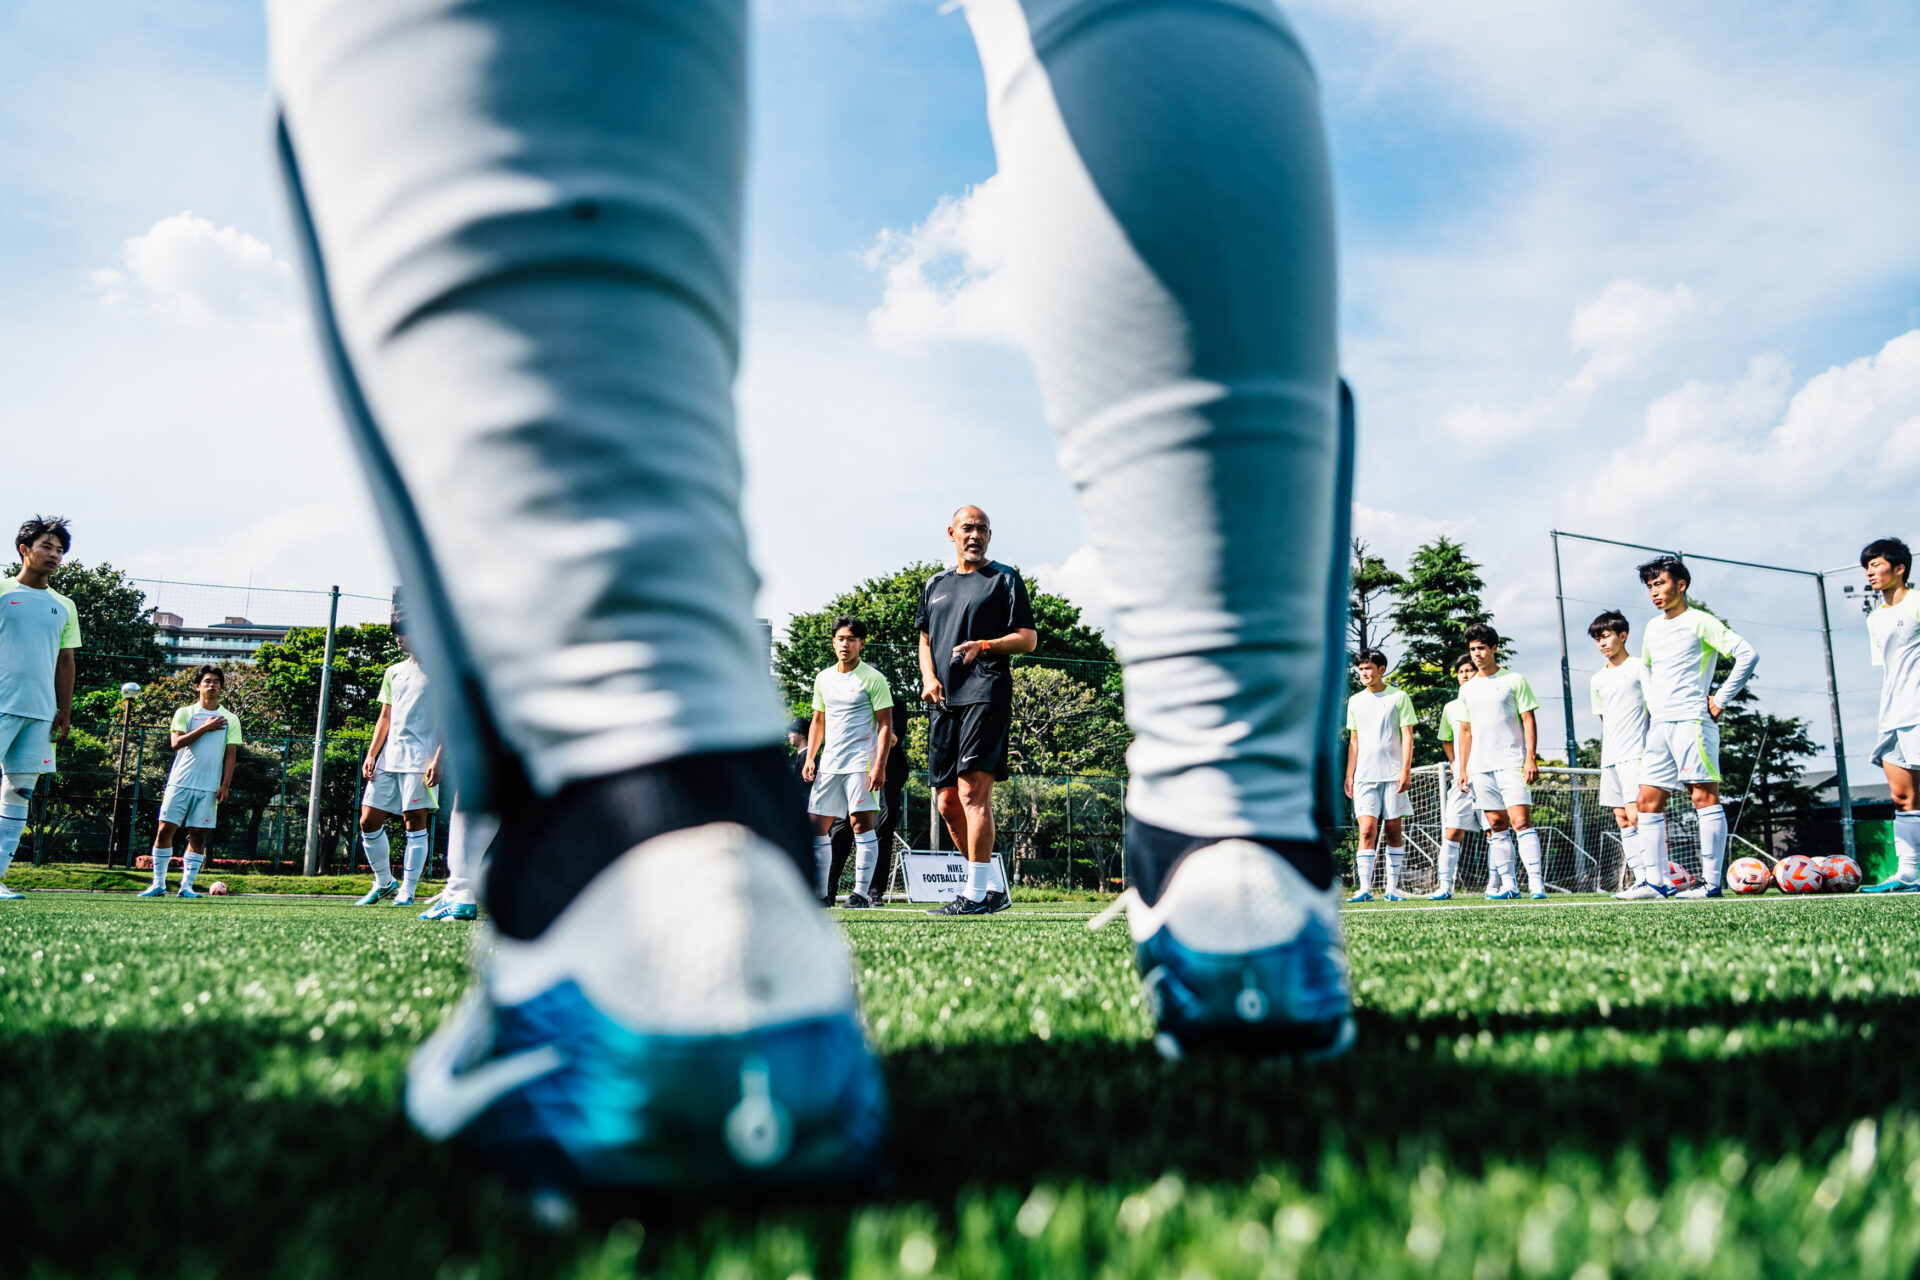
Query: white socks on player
pixel 1449 862
pixel 1906 844
pixel 1535 864
pixel 1653 847
pixel 13 825
pixel 1713 844
pixel 418 844
pixel 379 855
pixel 979 880
pixel 190 867
pixel 822 864
pixel 1500 861
pixel 1630 852
pixel 866 856
pixel 162 859
pixel 1396 860
pixel 1363 870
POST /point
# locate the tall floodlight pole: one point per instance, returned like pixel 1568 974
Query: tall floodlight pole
pixel 1839 741
pixel 312 867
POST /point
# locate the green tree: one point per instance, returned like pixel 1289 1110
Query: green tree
pixel 1434 606
pixel 118 641
pixel 291 671
pixel 1064 725
pixel 1370 611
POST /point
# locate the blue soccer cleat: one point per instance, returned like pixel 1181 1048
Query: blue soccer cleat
pixel 1892 885
pixel 378 892
pixel 1703 891
pixel 1440 895
pixel 1361 895
pixel 188 893
pixel 152 891
pixel 404 898
pixel 465 911
pixel 1390 896
pixel 1538 897
pixel 441 909
pixel 1644 891
pixel 1504 895
pixel 636 1045
pixel 10 895
pixel 1241 953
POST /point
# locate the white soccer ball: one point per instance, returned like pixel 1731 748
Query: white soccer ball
pixel 1678 876
pixel 129 689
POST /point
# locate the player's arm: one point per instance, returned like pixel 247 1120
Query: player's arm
pixel 816 738
pixel 1353 756
pixel 226 773
pixel 1530 732
pixel 1021 640
pixel 432 776
pixel 882 740
pixel 377 741
pixel 1406 756
pixel 63 669
pixel 1745 659
pixel 1465 740
pixel 931 690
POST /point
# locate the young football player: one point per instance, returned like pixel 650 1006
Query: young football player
pixel 206 745
pixel 1678 650
pixel 1618 691
pixel 402 769
pixel 1379 770
pixel 1457 814
pixel 1497 763
pixel 39 631
pixel 1893 633
pixel 847 748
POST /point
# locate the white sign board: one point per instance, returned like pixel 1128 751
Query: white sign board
pixel 937 877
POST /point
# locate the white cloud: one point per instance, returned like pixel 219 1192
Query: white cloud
pixel 945 279
pixel 188 270
pixel 1078 579
pixel 1618 330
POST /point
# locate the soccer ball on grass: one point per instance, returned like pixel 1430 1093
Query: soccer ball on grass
pixel 1840 873
pixel 218 888
pixel 1679 877
pixel 1748 875
pixel 1797 875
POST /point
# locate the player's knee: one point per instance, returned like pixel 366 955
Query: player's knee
pixel 17 791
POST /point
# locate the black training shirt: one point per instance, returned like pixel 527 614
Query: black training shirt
pixel 986 604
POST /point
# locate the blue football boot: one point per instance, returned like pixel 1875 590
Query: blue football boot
pixel 404 898
pixel 1391 896
pixel 1361 895
pixel 378 892
pixel 1441 895
pixel 1241 953
pixel 1503 895
pixel 1537 896
pixel 189 893
pixel 636 1045
pixel 10 895
pixel 1893 884
pixel 465 911
pixel 440 909
pixel 152 891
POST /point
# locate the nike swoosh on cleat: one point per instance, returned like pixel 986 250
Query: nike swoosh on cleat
pixel 441 1101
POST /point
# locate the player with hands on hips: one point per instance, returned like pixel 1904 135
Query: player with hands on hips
pixel 1380 724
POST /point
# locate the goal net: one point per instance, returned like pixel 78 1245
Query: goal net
pixel 1578 835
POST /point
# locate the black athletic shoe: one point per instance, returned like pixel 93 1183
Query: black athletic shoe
pixel 856 902
pixel 962 905
pixel 997 901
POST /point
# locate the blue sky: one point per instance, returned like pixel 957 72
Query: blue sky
pixel 1641 272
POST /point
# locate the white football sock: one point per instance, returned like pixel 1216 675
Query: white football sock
pixel 1500 860
pixel 162 859
pixel 1396 860
pixel 1363 870
pixel 1449 862
pixel 1630 851
pixel 419 844
pixel 1529 841
pixel 979 880
pixel 1713 845
pixel 1906 843
pixel 866 856
pixel 1653 847
pixel 13 825
pixel 379 855
pixel 822 864
pixel 190 867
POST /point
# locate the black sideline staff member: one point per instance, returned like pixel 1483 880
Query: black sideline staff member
pixel 972 617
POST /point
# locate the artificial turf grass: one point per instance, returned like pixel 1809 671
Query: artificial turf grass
pixel 77 878
pixel 1604 1052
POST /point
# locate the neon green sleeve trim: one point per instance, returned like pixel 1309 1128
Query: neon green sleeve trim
pixel 877 691
pixel 386 686
pixel 819 698
pixel 233 728
pixel 1353 726
pixel 1404 704
pixel 70 633
pixel 1446 723
pixel 1523 699
pixel 1714 634
pixel 182 720
pixel 1593 688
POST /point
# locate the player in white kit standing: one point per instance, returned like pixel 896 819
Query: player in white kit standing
pixel 1679 651
pixel 1498 765
pixel 1619 696
pixel 847 746
pixel 206 746
pixel 402 770
pixel 39 630
pixel 1380 724
pixel 1457 814
pixel 1893 632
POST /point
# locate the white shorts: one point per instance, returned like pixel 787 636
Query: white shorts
pixel 26 746
pixel 838 795
pixel 1456 809
pixel 1680 752
pixel 188 807
pixel 1380 800
pixel 1500 789
pixel 1900 748
pixel 1620 785
pixel 391 792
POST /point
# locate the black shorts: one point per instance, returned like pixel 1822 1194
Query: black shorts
pixel 970 738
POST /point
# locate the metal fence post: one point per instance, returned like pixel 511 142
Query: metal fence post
pixel 320 740
pixel 280 847
pixel 1839 740
pixel 133 804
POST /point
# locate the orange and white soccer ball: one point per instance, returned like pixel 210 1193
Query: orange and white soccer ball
pixel 1797 875
pixel 1841 873
pixel 1748 875
pixel 219 888
pixel 1679 877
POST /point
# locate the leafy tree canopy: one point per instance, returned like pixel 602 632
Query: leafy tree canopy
pixel 1435 604
pixel 117 637
pixel 291 669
